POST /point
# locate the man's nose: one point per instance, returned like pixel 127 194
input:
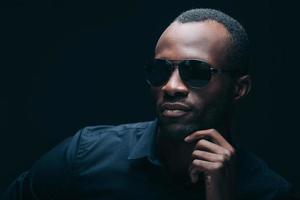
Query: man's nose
pixel 175 86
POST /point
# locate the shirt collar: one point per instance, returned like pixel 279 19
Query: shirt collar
pixel 145 146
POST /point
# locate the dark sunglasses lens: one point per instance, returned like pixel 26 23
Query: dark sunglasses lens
pixel 158 72
pixel 195 73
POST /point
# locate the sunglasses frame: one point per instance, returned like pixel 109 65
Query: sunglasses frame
pixel 175 64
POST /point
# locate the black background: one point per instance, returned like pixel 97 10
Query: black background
pixel 69 64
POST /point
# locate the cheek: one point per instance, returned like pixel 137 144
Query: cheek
pixel 199 101
pixel 216 90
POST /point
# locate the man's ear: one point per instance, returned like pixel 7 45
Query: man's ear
pixel 242 87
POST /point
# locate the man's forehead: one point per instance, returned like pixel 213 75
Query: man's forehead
pixel 193 39
pixel 189 33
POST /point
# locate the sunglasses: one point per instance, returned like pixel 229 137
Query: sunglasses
pixel 194 73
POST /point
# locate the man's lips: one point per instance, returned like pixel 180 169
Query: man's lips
pixel 174 109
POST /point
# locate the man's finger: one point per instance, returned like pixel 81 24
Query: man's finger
pixel 212 148
pixel 207 156
pixel 209 134
pixel 207 166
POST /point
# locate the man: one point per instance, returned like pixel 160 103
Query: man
pixel 198 74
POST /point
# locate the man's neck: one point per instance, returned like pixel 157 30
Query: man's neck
pixel 175 155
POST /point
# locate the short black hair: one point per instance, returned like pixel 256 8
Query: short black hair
pixel 239 50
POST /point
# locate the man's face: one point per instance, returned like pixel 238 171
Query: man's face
pixel 181 109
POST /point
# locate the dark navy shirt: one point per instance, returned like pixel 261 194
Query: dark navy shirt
pixel 119 162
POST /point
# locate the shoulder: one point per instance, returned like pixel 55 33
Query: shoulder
pixel 105 142
pixel 90 149
pixel 256 180
pixel 108 135
pixel 112 130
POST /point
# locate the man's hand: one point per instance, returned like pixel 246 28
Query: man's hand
pixel 215 158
